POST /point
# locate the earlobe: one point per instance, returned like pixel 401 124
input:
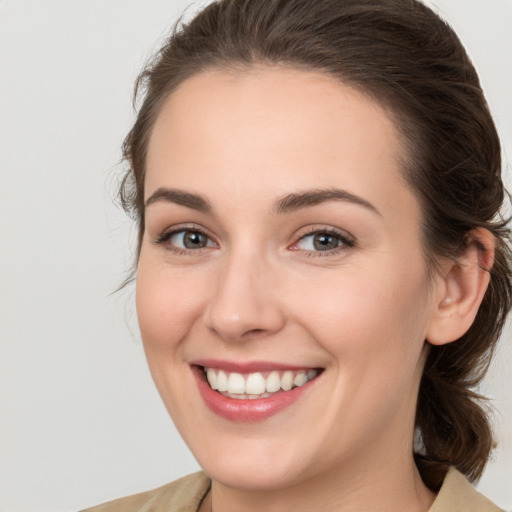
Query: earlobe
pixel 462 287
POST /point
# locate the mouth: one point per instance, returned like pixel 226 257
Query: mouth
pixel 251 392
pixel 256 385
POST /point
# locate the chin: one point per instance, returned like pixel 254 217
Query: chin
pixel 250 474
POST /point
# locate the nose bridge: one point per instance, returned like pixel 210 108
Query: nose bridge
pixel 243 301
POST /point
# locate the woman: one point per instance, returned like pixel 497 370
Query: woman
pixel 322 272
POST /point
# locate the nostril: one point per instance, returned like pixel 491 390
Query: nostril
pixel 253 332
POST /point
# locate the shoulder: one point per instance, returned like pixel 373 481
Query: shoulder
pixel 458 495
pixel 183 495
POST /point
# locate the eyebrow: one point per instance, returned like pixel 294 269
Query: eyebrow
pixel 308 198
pixel 193 201
pixel 286 204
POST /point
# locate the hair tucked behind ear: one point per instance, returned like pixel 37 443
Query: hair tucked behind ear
pixel 451 416
pixel 410 61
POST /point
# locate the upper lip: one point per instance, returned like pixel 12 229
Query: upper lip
pixel 247 366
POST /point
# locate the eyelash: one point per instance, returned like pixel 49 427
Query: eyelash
pixel 346 242
pixel 167 235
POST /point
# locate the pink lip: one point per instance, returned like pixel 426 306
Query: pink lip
pixel 246 367
pixel 246 411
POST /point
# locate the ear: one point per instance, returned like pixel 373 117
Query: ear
pixel 460 289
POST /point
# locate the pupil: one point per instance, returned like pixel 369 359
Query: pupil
pixel 194 240
pixel 323 242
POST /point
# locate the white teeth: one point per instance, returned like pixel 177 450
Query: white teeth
pixel 254 385
pixel 212 378
pixel 287 381
pixel 222 381
pixel 273 382
pixel 236 383
pixel 300 379
pixel 245 396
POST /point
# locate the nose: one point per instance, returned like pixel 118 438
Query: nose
pixel 244 303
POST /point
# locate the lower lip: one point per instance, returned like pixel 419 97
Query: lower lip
pixel 245 410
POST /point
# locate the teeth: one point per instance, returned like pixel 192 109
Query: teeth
pixel 222 381
pixel 212 378
pixel 236 383
pixel 300 379
pixel 273 382
pixel 287 381
pixel 254 385
pixel 245 396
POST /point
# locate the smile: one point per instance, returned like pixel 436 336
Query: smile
pixel 251 392
pixel 253 386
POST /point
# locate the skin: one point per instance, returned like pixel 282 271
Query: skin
pixel 260 291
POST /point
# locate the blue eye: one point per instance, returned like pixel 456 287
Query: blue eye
pixel 323 241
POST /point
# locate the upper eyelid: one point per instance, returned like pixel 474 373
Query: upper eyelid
pixel 347 240
pixel 299 234
pixel 167 233
pixel 185 227
pixel 325 229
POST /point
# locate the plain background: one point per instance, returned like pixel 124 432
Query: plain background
pixel 80 421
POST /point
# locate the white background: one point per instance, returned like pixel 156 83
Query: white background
pixel 80 422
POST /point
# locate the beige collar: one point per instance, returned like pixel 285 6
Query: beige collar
pixel 187 494
pixel 458 495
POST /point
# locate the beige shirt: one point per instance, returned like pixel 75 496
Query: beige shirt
pixel 187 493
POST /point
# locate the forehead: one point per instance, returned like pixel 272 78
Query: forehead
pixel 270 129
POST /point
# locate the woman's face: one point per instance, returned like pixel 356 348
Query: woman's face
pixel 281 244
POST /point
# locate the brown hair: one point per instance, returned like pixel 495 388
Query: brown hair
pixel 409 60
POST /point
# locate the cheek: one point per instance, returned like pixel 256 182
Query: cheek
pixel 167 304
pixel 167 308
pixel 367 315
pixel 373 328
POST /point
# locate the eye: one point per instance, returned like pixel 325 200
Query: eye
pixel 323 241
pixel 186 239
pixel 189 239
